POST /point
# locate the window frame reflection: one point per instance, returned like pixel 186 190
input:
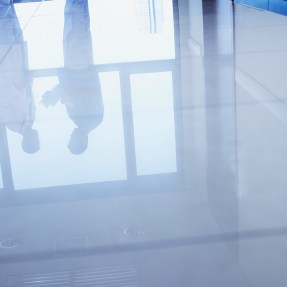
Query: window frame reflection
pixel 134 184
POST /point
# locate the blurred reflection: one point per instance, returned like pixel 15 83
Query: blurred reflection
pixel 4 2
pixel 79 86
pixel 154 122
pixel 17 109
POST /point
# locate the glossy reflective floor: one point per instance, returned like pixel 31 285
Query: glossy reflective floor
pixel 143 143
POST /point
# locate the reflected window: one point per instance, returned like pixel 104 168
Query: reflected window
pixel 120 37
pixel 134 31
pixel 154 127
pixel 150 16
pixel 117 38
pixel 54 164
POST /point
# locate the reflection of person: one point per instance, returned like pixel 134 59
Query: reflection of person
pixel 17 109
pixel 79 86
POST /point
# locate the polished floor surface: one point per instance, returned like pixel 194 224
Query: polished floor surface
pixel 142 143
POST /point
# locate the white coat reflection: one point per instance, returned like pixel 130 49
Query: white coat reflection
pixel 79 86
pixel 17 109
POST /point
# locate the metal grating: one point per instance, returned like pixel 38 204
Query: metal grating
pixel 117 276
pixel 40 280
pixel 110 276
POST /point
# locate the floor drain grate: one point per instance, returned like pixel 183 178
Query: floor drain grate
pixel 111 276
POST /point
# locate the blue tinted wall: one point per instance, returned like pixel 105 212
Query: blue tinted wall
pixel 277 6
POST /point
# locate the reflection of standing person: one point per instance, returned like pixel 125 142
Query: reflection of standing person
pixel 79 86
pixel 17 109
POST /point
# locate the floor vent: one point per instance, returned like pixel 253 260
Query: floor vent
pixel 40 280
pixel 119 276
pixel 110 276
